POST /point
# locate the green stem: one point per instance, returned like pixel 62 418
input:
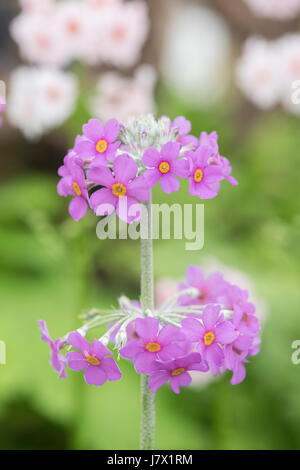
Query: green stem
pixel 147 298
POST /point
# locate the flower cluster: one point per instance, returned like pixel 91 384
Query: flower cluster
pixel 267 70
pixel 275 9
pixel 40 98
pixel 119 164
pixel 92 31
pixel 208 325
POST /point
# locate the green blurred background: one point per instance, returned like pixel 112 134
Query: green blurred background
pixel 52 268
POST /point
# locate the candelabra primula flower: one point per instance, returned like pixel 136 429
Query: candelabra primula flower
pixel 74 184
pixel 122 189
pixel 164 166
pixel 210 332
pixel 183 128
pixel 57 360
pixel 152 344
pixel 100 142
pixel 175 371
pixel 94 360
pixel 204 178
pixel 210 289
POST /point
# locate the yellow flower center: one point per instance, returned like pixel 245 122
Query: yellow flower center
pixel 164 167
pixel 153 347
pixel 119 189
pixel 198 175
pixel 101 146
pixel 209 338
pixel 178 371
pixel 76 188
pixel 92 360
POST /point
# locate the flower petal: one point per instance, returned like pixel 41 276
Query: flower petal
pixel 77 208
pixel 99 350
pixel 112 128
pixel 125 168
pixel 132 349
pixel 152 177
pixel 79 342
pixel 151 157
pixel 95 375
pixel 157 380
pixel 147 328
pixel 76 360
pixel 103 202
pixel 112 370
pixel 169 184
pixel 93 130
pixel 101 175
pixel 138 189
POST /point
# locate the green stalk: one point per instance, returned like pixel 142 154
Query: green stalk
pixel 147 431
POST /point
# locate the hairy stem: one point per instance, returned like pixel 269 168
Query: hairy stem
pixel 147 298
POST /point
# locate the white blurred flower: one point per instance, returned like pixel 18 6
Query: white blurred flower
pixel 121 97
pixel 37 5
pixel 94 31
pixel 73 22
pixel 276 9
pixel 289 72
pixel 257 72
pixel 126 28
pixel 38 38
pixel 196 55
pixel 40 99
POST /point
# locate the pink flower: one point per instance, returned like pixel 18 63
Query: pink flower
pixel 100 141
pixel 204 178
pixel 73 184
pixel 57 360
pixel 176 371
pixel 152 344
pixel 183 128
pixel 98 368
pixel 211 141
pixel 164 166
pixel 210 289
pixel 122 189
pixel 211 333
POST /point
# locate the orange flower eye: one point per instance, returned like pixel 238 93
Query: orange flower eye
pixel 92 360
pixel 209 338
pixel 153 347
pixel 178 371
pixel 198 175
pixel 76 188
pixel 119 189
pixel 101 146
pixel 164 167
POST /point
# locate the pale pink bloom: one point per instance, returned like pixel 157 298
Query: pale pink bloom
pixel 37 5
pixel 73 21
pixel 100 5
pixel 40 99
pixel 38 39
pixel 126 29
pixel 257 72
pixel 276 9
pixel 122 97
